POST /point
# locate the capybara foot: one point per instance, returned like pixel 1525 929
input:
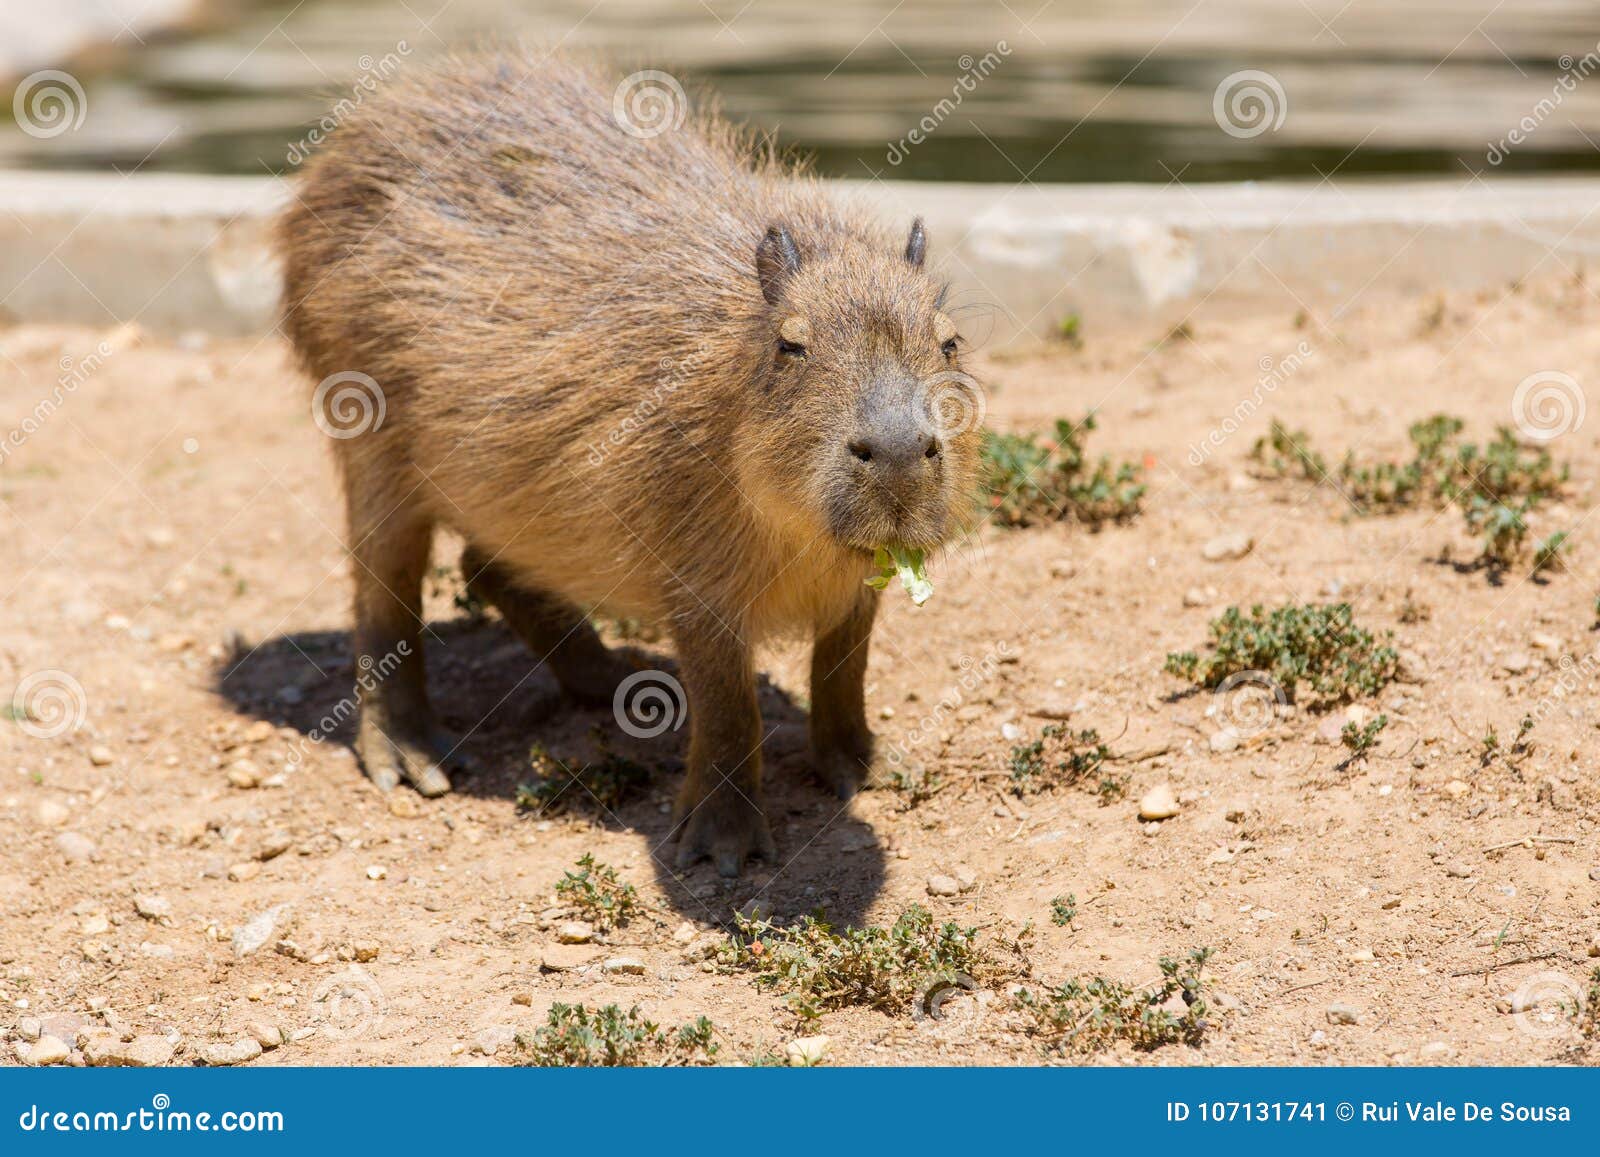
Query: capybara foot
pixel 843 772
pixel 725 828
pixel 593 680
pixel 388 757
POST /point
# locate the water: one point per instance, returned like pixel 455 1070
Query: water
pixel 1055 90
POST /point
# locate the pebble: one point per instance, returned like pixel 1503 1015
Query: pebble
pixel 1341 1013
pixel 404 805
pixel 1194 597
pixel 244 872
pixel 566 957
pixel 575 932
pixel 377 872
pixel 366 951
pixel 807 1051
pixel 273 845
pixel 966 877
pixel 1228 546
pixel 100 755
pixel 1594 874
pixel 244 774
pixel 1159 803
pixel 1435 1051
pixel 268 1036
pixel 48 1050
pixel 1544 642
pixel 1010 732
pixel 524 999
pixel 1063 568
pixel 104 1048
pixel 53 814
pixel 152 907
pixel 75 847
pixel 1459 869
pixel 1516 662
pixel 624 966
pixel 1457 788
pixel 251 935
pixel 237 1052
pixel 943 886
pixel 30 1028
pixel 1224 741
pixel 488 1041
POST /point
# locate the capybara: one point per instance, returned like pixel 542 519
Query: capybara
pixel 651 371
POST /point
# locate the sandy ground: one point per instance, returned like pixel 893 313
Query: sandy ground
pixel 173 562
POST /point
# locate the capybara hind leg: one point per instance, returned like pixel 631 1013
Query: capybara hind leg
pixel 718 812
pixel 841 742
pixel 398 738
pixel 553 629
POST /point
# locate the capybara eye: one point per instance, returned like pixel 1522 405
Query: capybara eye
pixel 792 348
pixel 949 347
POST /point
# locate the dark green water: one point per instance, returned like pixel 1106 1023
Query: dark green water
pixel 1092 90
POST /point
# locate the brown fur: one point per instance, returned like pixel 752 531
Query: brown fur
pixel 582 376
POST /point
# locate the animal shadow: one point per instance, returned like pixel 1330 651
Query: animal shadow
pixel 519 730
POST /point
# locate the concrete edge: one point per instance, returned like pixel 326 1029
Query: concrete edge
pixel 178 253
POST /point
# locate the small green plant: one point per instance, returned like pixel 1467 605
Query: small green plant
pixel 1061 757
pixel 1070 330
pixel 1317 645
pixel 915 786
pixel 595 892
pixel 577 1036
pixel 1063 910
pixel 883 968
pixel 1089 1016
pixel 1359 739
pixel 608 782
pixel 1550 553
pixel 1029 479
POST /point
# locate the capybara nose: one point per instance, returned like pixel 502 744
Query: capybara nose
pixel 896 451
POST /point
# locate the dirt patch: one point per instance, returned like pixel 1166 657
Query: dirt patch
pixel 190 864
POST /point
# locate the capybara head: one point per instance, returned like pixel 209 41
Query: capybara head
pixel 871 429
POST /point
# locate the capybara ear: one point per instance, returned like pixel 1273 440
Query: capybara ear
pixel 917 244
pixel 777 260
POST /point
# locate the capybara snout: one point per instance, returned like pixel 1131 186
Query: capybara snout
pixel 657 375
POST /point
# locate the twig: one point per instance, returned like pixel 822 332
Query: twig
pixel 1530 959
pixel 1527 841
